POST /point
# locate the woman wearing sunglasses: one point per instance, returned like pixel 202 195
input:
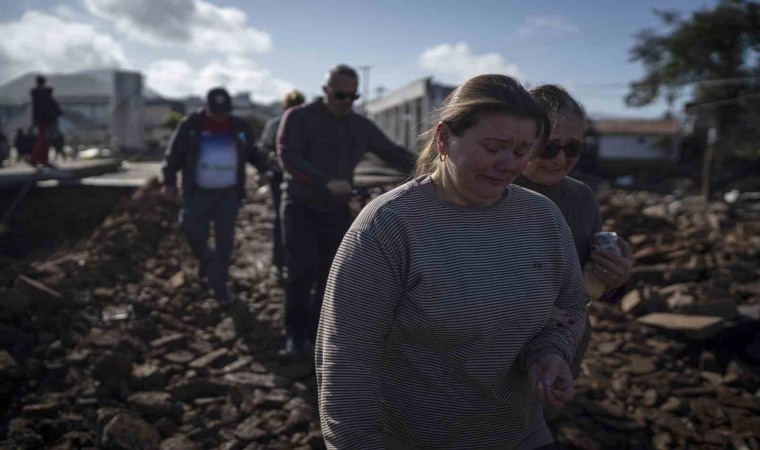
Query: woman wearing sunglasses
pixel 548 175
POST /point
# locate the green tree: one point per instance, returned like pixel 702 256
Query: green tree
pixel 171 120
pixel 715 51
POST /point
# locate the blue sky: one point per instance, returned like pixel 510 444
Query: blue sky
pixel 270 46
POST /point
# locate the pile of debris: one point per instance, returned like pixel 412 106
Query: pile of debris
pixel 118 346
pixel 677 363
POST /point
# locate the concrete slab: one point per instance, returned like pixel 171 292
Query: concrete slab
pixel 697 327
pixel 130 174
pixel 19 174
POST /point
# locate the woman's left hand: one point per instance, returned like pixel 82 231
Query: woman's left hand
pixel 551 381
pixel 613 269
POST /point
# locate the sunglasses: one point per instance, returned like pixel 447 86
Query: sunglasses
pixel 572 149
pixel 345 95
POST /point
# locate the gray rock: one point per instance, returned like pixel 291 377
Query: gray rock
pixel 179 443
pixel 13 304
pixel 154 403
pixel 250 379
pixel 209 358
pixel 8 364
pixel 200 387
pixel 250 429
pixel 112 367
pixel 174 340
pixel 148 376
pixel 127 432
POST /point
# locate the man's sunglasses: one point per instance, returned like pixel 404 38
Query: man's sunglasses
pixel 345 95
pixel 572 149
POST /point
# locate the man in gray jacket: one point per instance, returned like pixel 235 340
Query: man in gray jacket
pixel 320 145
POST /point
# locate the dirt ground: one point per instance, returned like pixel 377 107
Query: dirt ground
pixel 111 342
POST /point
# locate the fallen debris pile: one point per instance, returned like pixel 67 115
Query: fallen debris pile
pixel 677 364
pixel 117 346
pixel 120 347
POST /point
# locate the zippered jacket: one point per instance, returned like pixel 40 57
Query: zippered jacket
pixel 184 147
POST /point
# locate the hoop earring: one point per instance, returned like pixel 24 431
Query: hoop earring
pixel 442 157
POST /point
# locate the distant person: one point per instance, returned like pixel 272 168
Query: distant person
pixel 5 149
pixel 320 145
pixel 268 146
pixel 549 175
pixel 45 113
pixel 24 143
pixel 435 330
pixel 211 148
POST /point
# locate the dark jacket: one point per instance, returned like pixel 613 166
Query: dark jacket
pixel 316 146
pixel 268 143
pixel 44 107
pixel 184 146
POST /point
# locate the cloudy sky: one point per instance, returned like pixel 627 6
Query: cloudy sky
pixel 267 47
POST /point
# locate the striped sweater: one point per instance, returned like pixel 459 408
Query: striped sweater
pixel 431 311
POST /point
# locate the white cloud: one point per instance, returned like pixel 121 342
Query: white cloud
pixel 178 78
pixel 67 12
pixel 456 63
pixel 194 24
pixel 537 26
pixel 47 43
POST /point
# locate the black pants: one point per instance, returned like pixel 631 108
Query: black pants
pixel 278 255
pixel 311 240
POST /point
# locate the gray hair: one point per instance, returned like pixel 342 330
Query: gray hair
pixel 341 69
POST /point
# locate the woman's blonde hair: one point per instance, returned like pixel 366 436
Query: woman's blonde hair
pixel 292 98
pixel 479 95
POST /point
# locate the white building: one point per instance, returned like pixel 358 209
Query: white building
pixel 636 139
pixel 405 113
pixel 99 106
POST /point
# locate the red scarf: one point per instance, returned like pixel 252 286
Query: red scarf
pixel 215 127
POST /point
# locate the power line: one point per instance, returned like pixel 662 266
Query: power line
pixel 714 82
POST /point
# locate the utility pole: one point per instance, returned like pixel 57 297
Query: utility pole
pixel 707 162
pixel 365 86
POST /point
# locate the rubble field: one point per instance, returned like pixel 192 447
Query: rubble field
pixel 114 344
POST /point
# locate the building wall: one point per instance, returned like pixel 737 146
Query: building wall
pixel 97 112
pixel 126 123
pixel 405 113
pixel 636 147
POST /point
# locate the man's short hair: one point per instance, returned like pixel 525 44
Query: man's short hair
pixel 40 79
pixel 341 69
